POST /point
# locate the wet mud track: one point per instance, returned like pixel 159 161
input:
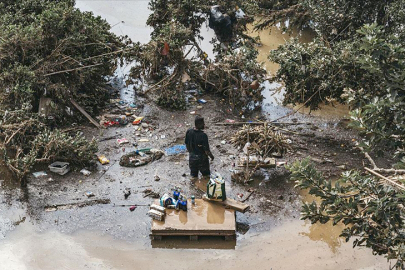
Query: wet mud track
pixel 273 200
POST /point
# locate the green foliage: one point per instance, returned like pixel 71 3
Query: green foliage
pixel 174 51
pixel 352 62
pixel 50 48
pixel 372 212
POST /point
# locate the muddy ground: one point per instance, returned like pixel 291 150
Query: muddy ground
pixel 330 145
pixel 103 235
pixel 275 201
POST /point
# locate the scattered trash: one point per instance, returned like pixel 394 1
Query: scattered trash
pixel 176 193
pixel 193 112
pixel 139 158
pixel 216 187
pixel 89 194
pixel 199 107
pixel 132 105
pixel 166 200
pixel 239 14
pixel 132 208
pixel 103 159
pixel 137 121
pixel 221 23
pixel 162 136
pixel 150 193
pixel 85 172
pixel 202 101
pixel 144 125
pixel 156 215
pixel 223 142
pixel 127 192
pixel 122 141
pixel 192 199
pixel 111 123
pixel 230 121
pixel 158 208
pixel 39 174
pixel 144 140
pixel 176 149
pixel 246 147
pixel 60 168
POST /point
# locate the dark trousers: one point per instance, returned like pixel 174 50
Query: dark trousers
pixel 199 165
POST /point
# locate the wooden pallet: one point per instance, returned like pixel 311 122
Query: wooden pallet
pixel 202 219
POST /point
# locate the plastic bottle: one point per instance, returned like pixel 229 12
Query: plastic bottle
pixel 192 200
pixel 184 204
pixel 176 194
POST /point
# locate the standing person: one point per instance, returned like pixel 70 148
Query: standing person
pixel 199 149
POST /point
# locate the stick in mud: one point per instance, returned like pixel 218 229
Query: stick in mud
pixel 51 208
pixel 128 205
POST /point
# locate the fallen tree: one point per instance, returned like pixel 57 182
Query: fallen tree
pixel 50 49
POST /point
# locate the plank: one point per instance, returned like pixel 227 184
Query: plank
pixel 230 203
pixel 91 119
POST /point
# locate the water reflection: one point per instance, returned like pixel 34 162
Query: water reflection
pixel 215 215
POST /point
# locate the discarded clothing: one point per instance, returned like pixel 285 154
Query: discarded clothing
pixel 136 159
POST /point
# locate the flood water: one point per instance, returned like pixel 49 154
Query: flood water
pixel 294 244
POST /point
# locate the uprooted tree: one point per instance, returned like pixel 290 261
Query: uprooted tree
pixel 50 49
pixel 174 53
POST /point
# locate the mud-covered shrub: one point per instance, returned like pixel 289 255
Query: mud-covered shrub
pixel 51 49
pixel 174 51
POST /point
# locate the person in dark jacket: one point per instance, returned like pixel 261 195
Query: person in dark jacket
pixel 199 149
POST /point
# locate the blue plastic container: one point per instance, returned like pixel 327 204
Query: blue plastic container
pixel 176 194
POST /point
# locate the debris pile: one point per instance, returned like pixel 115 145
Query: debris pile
pixel 261 140
pixel 173 63
pixel 140 157
pixel 44 67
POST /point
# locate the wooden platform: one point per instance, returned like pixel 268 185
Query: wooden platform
pixel 202 219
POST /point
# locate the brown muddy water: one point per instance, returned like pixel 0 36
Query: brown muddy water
pixel 109 237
